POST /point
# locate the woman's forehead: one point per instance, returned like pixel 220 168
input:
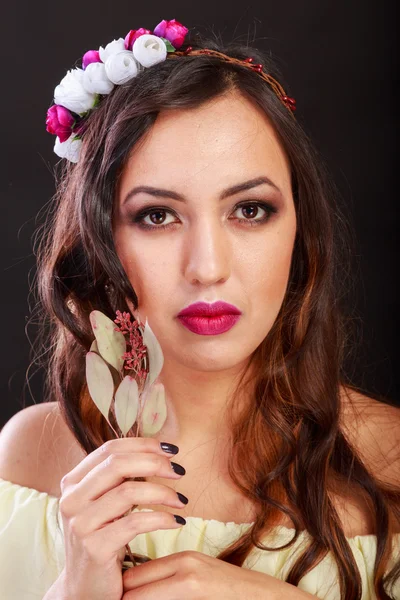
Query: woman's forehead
pixel 229 141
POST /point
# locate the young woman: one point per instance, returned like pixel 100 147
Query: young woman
pixel 192 182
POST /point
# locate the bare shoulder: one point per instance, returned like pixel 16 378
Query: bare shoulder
pixel 37 448
pixel 373 427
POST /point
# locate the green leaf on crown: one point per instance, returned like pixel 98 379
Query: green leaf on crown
pixel 170 47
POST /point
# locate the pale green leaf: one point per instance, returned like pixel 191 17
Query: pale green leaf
pixel 154 353
pixel 111 344
pixel 94 347
pixel 126 403
pixel 100 382
pixel 154 411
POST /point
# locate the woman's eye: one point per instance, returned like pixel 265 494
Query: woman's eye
pixel 157 219
pixel 250 214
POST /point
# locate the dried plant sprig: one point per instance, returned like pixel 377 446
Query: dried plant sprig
pixel 132 398
pixel 133 358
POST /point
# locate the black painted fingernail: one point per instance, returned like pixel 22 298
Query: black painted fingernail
pixel 170 448
pixel 180 519
pixel 177 468
pixel 182 498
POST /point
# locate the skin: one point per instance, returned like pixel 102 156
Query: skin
pixel 197 576
pixel 207 254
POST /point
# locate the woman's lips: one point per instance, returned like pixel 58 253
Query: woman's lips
pixel 205 309
pixel 209 325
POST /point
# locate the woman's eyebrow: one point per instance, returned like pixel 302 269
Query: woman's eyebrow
pixel 235 189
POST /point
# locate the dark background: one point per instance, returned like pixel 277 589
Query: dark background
pixel 340 61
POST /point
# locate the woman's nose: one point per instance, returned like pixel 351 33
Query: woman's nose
pixel 207 253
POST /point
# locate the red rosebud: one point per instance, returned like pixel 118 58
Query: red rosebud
pixel 173 31
pixel 133 35
pixel 89 57
pixel 59 122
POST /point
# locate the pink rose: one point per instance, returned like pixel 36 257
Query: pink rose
pixel 90 56
pixel 133 35
pixel 59 122
pixel 173 31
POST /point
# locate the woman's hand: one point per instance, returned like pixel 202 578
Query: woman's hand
pixel 193 575
pixel 95 495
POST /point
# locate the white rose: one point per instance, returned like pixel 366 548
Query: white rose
pixel 112 48
pixel 71 93
pixel 121 67
pixel 70 149
pixel 149 49
pixel 95 79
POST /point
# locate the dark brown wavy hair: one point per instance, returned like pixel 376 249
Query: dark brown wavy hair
pixel 288 448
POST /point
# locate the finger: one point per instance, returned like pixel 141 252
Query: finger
pixel 111 473
pixel 133 444
pixel 162 568
pixel 172 588
pixel 154 570
pixel 117 501
pixel 108 540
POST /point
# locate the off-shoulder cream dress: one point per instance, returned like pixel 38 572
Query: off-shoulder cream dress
pixel 32 549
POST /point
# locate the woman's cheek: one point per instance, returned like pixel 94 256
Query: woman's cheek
pixel 271 282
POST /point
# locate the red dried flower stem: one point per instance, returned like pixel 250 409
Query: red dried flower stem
pixel 137 353
pixel 133 359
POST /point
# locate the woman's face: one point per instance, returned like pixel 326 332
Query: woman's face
pixel 211 249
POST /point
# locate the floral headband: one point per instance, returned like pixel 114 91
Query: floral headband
pixel 79 92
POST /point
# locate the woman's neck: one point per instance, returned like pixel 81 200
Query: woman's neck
pixel 199 404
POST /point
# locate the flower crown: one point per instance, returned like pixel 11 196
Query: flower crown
pixel 79 92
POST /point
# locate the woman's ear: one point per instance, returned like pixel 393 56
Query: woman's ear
pixel 134 312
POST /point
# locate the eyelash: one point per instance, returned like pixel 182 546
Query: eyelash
pixel 138 219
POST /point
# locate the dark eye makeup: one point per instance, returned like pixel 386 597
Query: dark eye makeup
pixel 138 218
